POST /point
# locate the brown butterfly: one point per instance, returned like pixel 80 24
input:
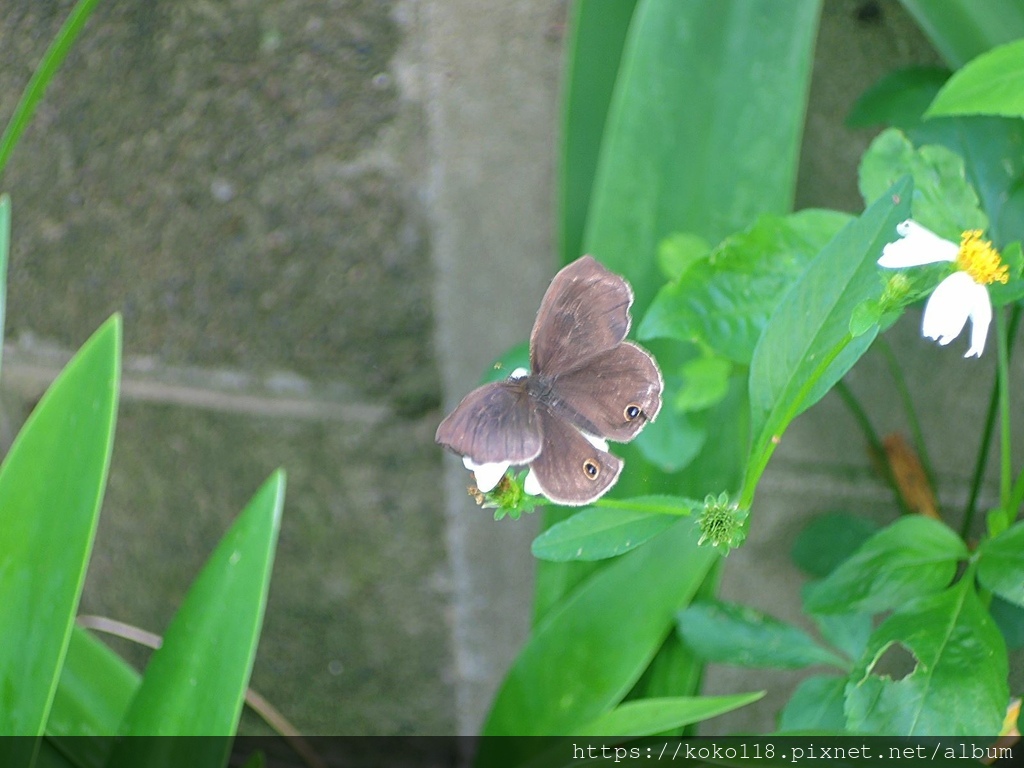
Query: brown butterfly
pixel 587 386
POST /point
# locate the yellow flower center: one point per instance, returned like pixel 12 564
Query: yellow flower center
pixel 980 260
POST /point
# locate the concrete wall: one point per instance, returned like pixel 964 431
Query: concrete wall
pixel 321 220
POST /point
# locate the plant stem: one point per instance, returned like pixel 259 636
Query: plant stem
pixel 916 434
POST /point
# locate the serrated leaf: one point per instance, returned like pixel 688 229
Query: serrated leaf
pixel 724 301
pixel 51 487
pixel 645 717
pixel 847 632
pixel 816 705
pixel 913 557
pixel 958 685
pixel 943 200
pixel 828 539
pixel 735 634
pixel 195 683
pixel 806 346
pixel 597 533
pixel 898 99
pixel 991 84
pixel 1001 564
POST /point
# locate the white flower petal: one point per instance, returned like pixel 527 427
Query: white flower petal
pixel 518 373
pixel 487 475
pixel 955 299
pixel 916 246
pixel 531 486
pixel 599 443
pixel 981 316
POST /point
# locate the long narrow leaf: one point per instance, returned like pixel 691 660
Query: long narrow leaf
pixel 41 78
pixel 5 247
pixel 51 487
pixel 963 29
pixel 195 683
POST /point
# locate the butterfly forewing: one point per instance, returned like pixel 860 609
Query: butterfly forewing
pixel 570 470
pixel 613 396
pixel 496 422
pixel 585 311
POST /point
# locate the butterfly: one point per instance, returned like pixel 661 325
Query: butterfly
pixel 587 385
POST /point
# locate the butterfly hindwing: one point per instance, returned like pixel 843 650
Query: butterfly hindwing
pixel 570 469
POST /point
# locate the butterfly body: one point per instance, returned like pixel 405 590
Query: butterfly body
pixel 587 385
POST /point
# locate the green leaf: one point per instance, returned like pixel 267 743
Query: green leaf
pixel 992 84
pixel 993 162
pixel 943 200
pixel 597 533
pixel 1001 564
pixel 847 632
pixel 51 487
pixel 516 357
pixel 94 691
pixel 552 688
pixel 958 685
pixel 597 35
pixel 703 131
pixel 195 683
pixel 674 439
pixel 1010 620
pixel 828 539
pixel 705 383
pixel 646 717
pixel 739 635
pixel 41 78
pixel 899 99
pixel 724 301
pixel 914 556
pixel 1013 290
pixel 816 705
pixel 962 29
pixel 806 346
pixel 680 251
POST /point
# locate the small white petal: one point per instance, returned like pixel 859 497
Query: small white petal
pixel 487 475
pixel 531 486
pixel 956 299
pixel 518 373
pixel 981 317
pixel 917 246
pixel 597 442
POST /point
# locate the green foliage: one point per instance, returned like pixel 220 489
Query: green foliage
pixel 754 314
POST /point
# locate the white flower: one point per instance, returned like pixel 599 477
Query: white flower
pixel 487 475
pixel 960 296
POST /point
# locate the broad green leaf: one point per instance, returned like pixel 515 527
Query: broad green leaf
pixel 703 131
pixel 195 683
pixel 735 634
pixel 724 301
pixel 943 200
pixel 41 78
pixel 992 84
pixel 993 162
pixel 963 29
pixel 51 487
pixel 847 632
pixel 1010 620
pixel 1001 564
pixel 95 688
pixel 899 99
pixel 674 439
pixel 680 251
pixel 645 717
pixel 597 33
pixel 705 383
pixel 828 539
pixel 597 533
pixel 816 705
pixel 806 346
pixel 914 556
pixel 958 685
pixel 582 658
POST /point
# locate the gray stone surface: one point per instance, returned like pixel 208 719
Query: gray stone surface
pixel 322 219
